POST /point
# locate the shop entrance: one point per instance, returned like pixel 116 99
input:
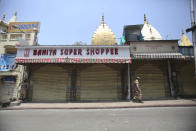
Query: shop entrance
pixel 100 82
pixel 153 79
pixel 49 83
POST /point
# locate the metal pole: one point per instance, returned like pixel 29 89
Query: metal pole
pixel 192 13
pixel 193 30
pixel 129 86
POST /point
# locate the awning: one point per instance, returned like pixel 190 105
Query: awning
pixel 71 60
pixel 156 56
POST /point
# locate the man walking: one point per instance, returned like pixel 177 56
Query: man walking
pixel 138 92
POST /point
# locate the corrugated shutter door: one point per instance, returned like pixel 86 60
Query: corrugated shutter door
pixel 152 81
pixel 7 90
pixel 49 83
pixel 99 82
pixel 16 86
pixel 186 79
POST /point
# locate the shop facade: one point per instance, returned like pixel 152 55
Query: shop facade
pixel 185 71
pixel 166 67
pixel 75 73
pixel 155 62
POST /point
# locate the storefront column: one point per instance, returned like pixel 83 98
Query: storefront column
pixel 170 78
pixel 129 86
pixel 73 90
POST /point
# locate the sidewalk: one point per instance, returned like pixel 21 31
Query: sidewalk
pixel 104 105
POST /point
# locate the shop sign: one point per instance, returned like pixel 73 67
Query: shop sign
pixel 23 26
pixel 154 47
pixel 91 52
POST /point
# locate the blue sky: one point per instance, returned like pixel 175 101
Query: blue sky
pixel 68 21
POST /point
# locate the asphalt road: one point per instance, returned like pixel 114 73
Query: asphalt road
pixel 133 119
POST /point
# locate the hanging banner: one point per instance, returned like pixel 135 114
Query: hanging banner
pixel 7 62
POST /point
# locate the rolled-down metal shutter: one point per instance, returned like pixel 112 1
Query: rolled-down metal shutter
pixel 49 83
pixel 187 82
pixel 152 81
pixel 100 82
pixel 7 90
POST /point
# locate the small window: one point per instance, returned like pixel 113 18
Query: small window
pixel 4 37
pixel 11 50
pixel 27 36
pixel 15 36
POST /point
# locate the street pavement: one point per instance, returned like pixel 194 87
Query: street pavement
pixel 121 119
pixel 104 105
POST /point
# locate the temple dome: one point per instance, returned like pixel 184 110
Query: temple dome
pixel 103 35
pixel 14 18
pixel 149 32
pixel 184 41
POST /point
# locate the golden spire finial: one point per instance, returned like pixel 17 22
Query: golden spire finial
pixel 182 32
pixel 144 17
pixel 15 13
pixel 3 17
pixel 102 20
